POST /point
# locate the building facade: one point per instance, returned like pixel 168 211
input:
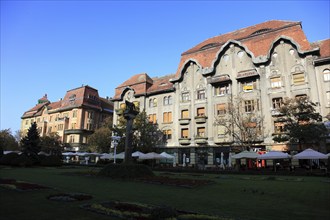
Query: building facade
pixel 73 117
pixel 258 65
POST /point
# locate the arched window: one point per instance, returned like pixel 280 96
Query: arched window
pixel 155 102
pixel 170 100
pixel 165 102
pixel 326 75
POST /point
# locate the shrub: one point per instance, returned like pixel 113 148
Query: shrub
pixel 22 161
pixel 163 212
pixel 6 159
pixel 51 160
pixel 126 171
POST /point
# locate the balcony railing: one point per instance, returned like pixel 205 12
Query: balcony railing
pixel 201 140
pixel 200 119
pixel 184 121
pixel 184 141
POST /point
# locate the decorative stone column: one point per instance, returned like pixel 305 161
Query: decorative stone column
pixel 129 114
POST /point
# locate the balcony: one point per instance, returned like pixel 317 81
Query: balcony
pixel 200 119
pixel 184 141
pixel 200 140
pixel 184 121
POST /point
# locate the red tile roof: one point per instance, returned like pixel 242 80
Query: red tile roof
pixel 75 98
pixel 142 84
pixel 257 40
pixel 324 46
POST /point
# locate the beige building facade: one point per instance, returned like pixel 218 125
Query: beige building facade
pixel 259 65
pixel 73 118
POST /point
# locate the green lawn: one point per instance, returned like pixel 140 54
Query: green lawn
pixel 235 196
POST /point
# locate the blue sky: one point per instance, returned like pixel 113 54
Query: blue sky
pixel 49 47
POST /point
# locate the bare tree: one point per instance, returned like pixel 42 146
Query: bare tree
pixel 242 122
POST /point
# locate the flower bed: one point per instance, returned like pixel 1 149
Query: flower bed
pixel 69 197
pixel 187 183
pixel 135 211
pixel 20 185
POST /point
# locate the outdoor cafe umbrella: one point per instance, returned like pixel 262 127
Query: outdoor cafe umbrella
pixel 137 154
pixel 245 154
pixel 167 156
pixel 273 155
pixel 310 154
pixel 151 156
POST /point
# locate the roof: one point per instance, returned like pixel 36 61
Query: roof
pixel 257 40
pixel 142 84
pixel 84 96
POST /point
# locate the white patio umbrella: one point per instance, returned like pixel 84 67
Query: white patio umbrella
pixel 273 155
pixel 167 156
pixel 151 156
pixel 137 154
pixel 310 154
pixel 221 161
pixel 229 160
pixel 106 156
pixel 246 154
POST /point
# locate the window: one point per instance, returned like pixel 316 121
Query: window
pixel 221 109
pixel 201 94
pixel 277 102
pixel 298 79
pixel 74 113
pixel 327 101
pixel 73 125
pixel 167 134
pixel 249 86
pixel 165 101
pixel 49 129
pixel 278 127
pixel 221 90
pixel 201 132
pixel 153 118
pixel 185 113
pixel 170 100
pixel 26 122
pixel 185 96
pixel 326 75
pixel 167 117
pixel 249 105
pixel 90 115
pixel 154 102
pixel 276 82
pixel 71 139
pixel 221 131
pixel 60 127
pixel 184 133
pixel 201 112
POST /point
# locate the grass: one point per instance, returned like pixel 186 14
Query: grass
pixel 236 196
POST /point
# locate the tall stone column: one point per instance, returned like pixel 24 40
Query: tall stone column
pixel 129 114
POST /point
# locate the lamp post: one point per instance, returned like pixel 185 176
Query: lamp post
pixel 114 144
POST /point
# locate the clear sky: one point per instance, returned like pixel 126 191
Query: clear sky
pixel 50 47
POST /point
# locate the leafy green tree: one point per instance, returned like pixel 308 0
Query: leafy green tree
pixel 100 140
pixel 7 141
pixel 146 135
pixel 51 144
pixel 31 142
pixel 303 124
